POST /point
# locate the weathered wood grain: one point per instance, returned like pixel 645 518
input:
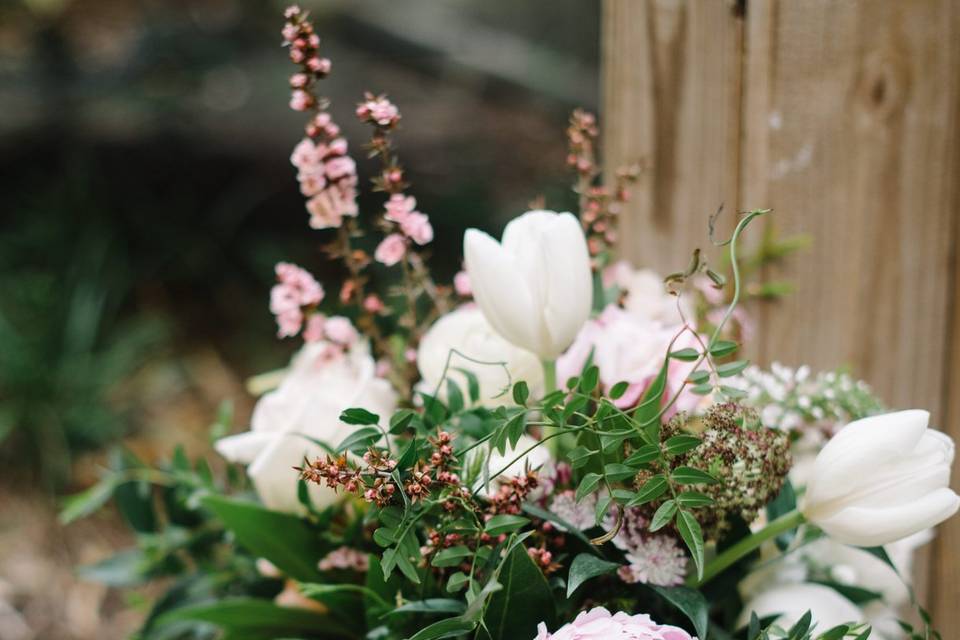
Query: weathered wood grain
pixel 842 117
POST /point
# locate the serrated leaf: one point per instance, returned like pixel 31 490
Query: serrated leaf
pixel 587 485
pixel 586 566
pixel 616 472
pixel 651 490
pixel 359 416
pixel 680 444
pixel 689 529
pixel 663 516
pixel 689 475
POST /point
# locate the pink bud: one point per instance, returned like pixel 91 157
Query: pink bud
pixel 290 32
pixel 313 40
pixel 297 56
pixel 300 100
pixel 299 80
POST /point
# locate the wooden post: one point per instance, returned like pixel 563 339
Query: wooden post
pixel 842 117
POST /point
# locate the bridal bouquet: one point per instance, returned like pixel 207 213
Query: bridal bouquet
pixel 556 445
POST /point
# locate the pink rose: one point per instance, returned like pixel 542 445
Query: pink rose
pixel 417 227
pixel 631 349
pixel 600 624
pixel 391 249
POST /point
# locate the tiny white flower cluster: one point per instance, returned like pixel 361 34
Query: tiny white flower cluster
pixel 793 399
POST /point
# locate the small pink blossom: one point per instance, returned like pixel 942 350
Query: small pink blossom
pixel 345 558
pixel 391 250
pixel 297 55
pixel 417 227
pixel 313 331
pixel 319 65
pixel 300 100
pixel 313 40
pixel 322 119
pixel 299 80
pixel 340 330
pixel 311 183
pixel 340 167
pixel 600 624
pixel 337 147
pixel 289 323
pixel 307 288
pixel 328 207
pixel 305 154
pixel 380 110
pixel 461 284
pixel 399 207
pixel 290 32
pixel 373 304
pixel 292 11
pixel 383 368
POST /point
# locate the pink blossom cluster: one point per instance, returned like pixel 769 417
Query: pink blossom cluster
pixel 379 111
pixel 298 34
pixel 600 624
pixel 345 558
pixel 327 175
pixel 294 300
pixel 411 225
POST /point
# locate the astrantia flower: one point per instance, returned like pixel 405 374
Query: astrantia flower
pixel 581 515
pixel 345 558
pixel 600 624
pixel 653 558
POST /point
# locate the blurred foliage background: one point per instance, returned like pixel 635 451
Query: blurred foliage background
pixel 147 193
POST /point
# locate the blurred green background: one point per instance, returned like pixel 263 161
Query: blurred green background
pixel 147 193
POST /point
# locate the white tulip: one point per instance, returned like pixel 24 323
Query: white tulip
pixel 308 402
pixel 790 601
pixel 464 339
pixel 534 287
pixel 880 479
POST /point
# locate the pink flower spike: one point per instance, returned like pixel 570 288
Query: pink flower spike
pixel 304 154
pixel 290 32
pixel 461 284
pixel 399 207
pixel 340 166
pixel 300 100
pixel 391 250
pixel 311 183
pixel 340 330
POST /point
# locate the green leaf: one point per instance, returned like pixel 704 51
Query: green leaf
pixel 702 389
pixel 401 420
pixel 521 393
pixel 689 475
pixel 663 516
pixel 690 603
pixel 457 581
pixel 699 376
pixel 360 439
pixel 623 496
pixel 589 380
pixel 451 556
pixel 473 384
pixel 603 505
pixel 580 456
pixel 616 472
pixel 650 491
pixel 586 566
pixel 430 605
pixel 686 355
pixel 649 407
pixel 729 369
pixel 619 389
pixel 504 523
pixel 82 504
pixel 732 393
pixel 125 569
pixel 283 539
pixel 524 600
pixel 680 444
pixel 587 485
pixel 449 628
pixel 692 535
pixel 802 625
pixel 644 454
pixel 723 348
pixel 254 619
pixel 454 396
pixel 694 499
pixel 359 416
pixel 515 428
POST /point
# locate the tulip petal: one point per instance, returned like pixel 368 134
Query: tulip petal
pixel 570 284
pixel 500 291
pixel 276 486
pixel 868 527
pixel 243 448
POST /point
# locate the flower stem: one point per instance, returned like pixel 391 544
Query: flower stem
pixel 549 376
pixel 784 523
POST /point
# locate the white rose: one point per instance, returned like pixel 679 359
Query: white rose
pixel 791 601
pixel 308 403
pixel 464 338
pixel 510 464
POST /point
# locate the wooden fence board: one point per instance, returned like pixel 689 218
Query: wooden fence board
pixel 842 117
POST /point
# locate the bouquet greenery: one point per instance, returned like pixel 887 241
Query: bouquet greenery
pixel 553 437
